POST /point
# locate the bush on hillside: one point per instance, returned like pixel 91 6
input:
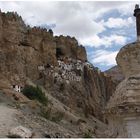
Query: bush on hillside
pixel 35 93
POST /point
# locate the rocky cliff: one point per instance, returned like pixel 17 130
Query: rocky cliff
pixel 115 73
pixel 57 63
pixel 24 48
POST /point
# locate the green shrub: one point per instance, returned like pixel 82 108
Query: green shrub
pixel 87 135
pixel 35 93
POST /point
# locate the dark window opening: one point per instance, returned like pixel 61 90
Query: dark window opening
pixel 59 52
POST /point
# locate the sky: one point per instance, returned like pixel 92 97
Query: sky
pixel 102 27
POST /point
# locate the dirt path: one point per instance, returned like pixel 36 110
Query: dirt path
pixel 7 119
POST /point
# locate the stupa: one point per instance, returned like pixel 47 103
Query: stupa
pixel 123 108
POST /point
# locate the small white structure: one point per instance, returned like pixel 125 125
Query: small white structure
pixel 17 88
pixel 59 62
pixel 65 71
pixel 79 61
pixel 78 78
pixel 55 74
pixel 79 67
pixel 68 67
pixel 41 68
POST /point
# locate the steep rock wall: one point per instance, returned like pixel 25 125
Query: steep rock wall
pixel 23 49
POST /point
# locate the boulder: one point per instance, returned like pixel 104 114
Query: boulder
pixel 20 132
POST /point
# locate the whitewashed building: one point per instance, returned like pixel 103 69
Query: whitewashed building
pixel 79 67
pixel 17 88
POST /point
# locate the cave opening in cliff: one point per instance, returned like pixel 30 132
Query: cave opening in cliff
pixel 59 52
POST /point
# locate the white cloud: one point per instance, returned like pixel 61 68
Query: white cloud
pixel 99 8
pixel 79 27
pixel 84 20
pixel 118 22
pixel 106 41
pixel 103 57
pixel 77 18
pixel 71 18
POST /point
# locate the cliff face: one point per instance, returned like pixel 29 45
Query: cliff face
pixel 89 95
pixel 57 63
pixel 115 73
pixel 21 48
pixel 29 47
pixel 69 47
pixel 99 89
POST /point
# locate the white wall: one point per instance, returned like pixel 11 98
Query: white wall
pixel 133 127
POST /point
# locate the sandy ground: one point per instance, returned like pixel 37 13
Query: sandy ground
pixel 7 119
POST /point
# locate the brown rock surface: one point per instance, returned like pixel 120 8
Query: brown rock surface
pixel 115 73
pixel 89 96
pixel 23 49
pixel 69 48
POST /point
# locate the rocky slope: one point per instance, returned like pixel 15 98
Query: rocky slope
pixel 57 63
pixel 115 73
